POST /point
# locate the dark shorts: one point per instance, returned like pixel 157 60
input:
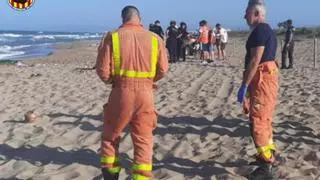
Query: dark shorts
pixel 212 48
pixel 221 45
pixel 204 47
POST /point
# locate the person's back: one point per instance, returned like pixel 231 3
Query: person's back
pixel 158 30
pixel 136 51
pixel 131 59
pixel 173 32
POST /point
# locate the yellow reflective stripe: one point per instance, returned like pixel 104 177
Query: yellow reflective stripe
pixel 116 53
pixel 266 150
pixel 275 71
pixel 114 170
pixel 142 167
pixel 139 177
pixel 273 147
pixel 20 6
pixel 154 54
pixel 135 74
pixel 15 4
pixel 109 159
pixel 130 73
pixel 26 4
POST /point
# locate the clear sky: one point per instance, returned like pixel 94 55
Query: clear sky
pixel 101 15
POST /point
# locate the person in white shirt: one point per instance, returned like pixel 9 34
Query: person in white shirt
pixel 221 41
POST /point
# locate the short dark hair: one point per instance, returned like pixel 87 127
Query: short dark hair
pixel 128 11
pixel 157 21
pixel 289 21
pixel 203 22
pixel 218 25
pixel 173 22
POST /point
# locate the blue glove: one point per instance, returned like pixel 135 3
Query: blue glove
pixel 242 93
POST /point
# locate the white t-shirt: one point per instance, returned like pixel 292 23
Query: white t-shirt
pixel 223 35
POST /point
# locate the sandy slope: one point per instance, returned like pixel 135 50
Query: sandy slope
pixel 201 134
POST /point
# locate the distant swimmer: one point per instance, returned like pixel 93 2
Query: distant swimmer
pixel 260 87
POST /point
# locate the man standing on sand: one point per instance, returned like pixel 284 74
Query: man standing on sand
pixel 261 82
pixel 204 40
pixel 132 59
pixel 288 48
pixel 221 41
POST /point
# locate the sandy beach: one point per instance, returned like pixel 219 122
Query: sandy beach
pixel 202 132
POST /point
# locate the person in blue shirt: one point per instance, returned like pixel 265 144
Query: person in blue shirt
pixel 259 90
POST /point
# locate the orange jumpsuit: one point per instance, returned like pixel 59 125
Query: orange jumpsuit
pixel 261 103
pixel 132 59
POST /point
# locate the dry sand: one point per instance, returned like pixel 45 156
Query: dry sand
pixel 201 134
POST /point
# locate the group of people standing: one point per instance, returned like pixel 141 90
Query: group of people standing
pixel 132 65
pixel 177 38
pixel 210 40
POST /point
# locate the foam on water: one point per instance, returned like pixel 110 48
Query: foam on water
pixel 21 44
pixel 10 35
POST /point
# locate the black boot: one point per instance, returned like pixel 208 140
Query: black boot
pixel 108 176
pixel 263 172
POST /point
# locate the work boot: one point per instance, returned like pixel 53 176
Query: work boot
pixel 263 172
pixel 108 176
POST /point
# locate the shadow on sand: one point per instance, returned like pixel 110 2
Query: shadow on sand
pixel 220 125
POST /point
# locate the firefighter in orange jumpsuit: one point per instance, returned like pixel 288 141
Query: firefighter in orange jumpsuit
pixel 259 89
pixel 132 59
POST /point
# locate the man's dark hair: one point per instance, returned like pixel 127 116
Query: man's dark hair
pixel 157 21
pixel 289 21
pixel 128 12
pixel 218 25
pixel 173 22
pixel 203 22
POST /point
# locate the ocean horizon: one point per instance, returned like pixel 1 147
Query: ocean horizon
pixel 20 45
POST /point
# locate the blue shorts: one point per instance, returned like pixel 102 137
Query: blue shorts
pixel 212 48
pixel 204 47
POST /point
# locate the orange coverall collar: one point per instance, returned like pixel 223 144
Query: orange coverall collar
pixel 131 25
